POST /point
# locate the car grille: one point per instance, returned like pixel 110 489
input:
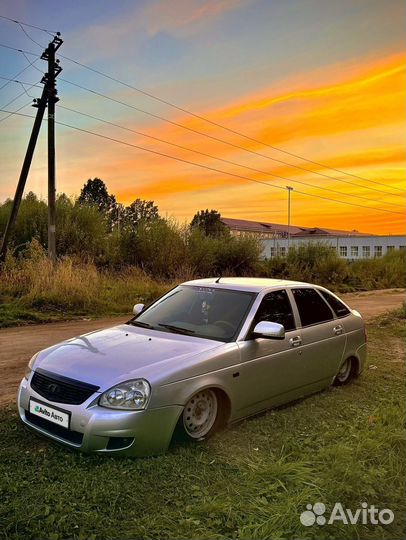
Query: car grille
pixel 61 389
pixel 66 434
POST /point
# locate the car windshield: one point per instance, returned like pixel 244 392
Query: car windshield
pixel 207 312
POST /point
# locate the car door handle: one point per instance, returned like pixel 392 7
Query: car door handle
pixel 338 329
pixel 295 341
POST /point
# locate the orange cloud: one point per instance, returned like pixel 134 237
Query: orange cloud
pixel 349 117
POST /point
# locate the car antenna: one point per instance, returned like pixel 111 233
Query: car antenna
pixel 218 279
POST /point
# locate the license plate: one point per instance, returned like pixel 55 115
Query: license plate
pixel 43 410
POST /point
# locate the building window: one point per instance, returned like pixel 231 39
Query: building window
pixel 272 252
pixel 343 251
pixel 390 248
pixel 333 248
pixel 354 251
pixel 282 251
pixel 366 251
pixel 403 248
pixel 378 251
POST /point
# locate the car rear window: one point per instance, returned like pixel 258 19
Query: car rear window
pixel 312 308
pixel 336 305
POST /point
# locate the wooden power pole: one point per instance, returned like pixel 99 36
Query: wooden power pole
pixel 41 105
pixel 48 97
pixel 53 71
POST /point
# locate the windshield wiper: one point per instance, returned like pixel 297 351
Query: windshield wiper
pixel 177 329
pixel 141 324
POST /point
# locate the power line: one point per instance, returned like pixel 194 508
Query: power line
pixel 222 140
pixel 19 95
pixel 221 159
pixel 19 73
pixel 9 79
pixel 30 53
pixel 162 154
pixel 223 127
pixel 30 37
pixel 15 112
pixel 12 101
pixel 50 32
pixel 235 132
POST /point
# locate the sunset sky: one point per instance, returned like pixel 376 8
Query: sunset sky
pixel 321 79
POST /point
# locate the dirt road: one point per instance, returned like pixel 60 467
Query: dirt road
pixel 17 345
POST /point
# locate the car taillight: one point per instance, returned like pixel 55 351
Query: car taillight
pixel 365 333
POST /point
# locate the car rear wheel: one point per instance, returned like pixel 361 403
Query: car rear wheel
pixel 201 415
pixel 344 373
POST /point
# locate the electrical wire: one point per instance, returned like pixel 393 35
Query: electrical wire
pixel 235 132
pixel 162 154
pixel 221 126
pixel 12 101
pixel 50 32
pixel 30 37
pixel 19 73
pixel 153 115
pixel 9 79
pixel 221 159
pixel 19 95
pixel 15 112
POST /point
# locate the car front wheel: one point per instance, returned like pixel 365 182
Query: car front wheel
pixel 201 415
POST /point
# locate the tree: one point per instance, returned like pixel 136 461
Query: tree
pixel 95 193
pixel 140 210
pixel 209 222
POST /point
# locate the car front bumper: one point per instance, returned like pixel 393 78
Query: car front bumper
pixel 99 429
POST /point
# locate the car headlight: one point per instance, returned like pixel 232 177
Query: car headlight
pixel 132 395
pixel 30 366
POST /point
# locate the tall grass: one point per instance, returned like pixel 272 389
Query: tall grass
pixel 73 286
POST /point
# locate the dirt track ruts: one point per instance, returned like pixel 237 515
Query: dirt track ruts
pixel 18 344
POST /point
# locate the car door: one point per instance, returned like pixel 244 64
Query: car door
pixel 323 336
pixel 270 368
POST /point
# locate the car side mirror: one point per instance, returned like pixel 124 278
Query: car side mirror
pixel 138 308
pixel 270 330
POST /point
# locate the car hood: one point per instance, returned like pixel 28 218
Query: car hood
pixel 107 357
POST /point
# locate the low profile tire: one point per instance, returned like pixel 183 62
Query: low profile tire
pixel 201 417
pixel 345 373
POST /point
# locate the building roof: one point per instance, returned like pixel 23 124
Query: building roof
pixel 278 228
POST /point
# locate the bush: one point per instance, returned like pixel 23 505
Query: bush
pixel 32 222
pixel 87 239
pixel 312 262
pixel 81 230
pixel 237 255
pixel 380 273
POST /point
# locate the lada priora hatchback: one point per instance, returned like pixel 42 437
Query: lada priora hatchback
pixel 207 353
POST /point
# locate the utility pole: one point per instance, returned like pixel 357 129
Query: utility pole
pixel 53 71
pixel 48 97
pixel 40 104
pixel 289 188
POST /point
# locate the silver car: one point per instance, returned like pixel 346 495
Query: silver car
pixel 207 353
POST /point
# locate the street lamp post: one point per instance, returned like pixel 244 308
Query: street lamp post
pixel 289 188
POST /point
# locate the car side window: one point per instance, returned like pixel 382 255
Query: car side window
pixel 338 307
pixel 275 307
pixel 312 308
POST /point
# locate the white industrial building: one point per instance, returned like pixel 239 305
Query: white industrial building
pixel 350 245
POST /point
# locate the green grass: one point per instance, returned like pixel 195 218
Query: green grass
pixel 251 481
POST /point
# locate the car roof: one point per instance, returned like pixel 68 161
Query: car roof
pixel 244 283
